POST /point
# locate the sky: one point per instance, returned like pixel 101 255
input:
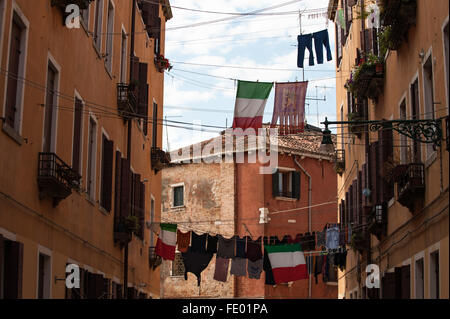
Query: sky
pixel 199 94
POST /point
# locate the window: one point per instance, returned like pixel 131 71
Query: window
pixel 177 266
pixel 92 146
pixel 419 282
pixel 446 58
pixel 77 135
pixel 11 265
pixel 338 44
pixel 286 184
pixel 98 25
pixel 434 275
pixel 342 129
pixel 85 17
pixel 178 196
pixel 107 170
pixel 123 59
pixel 50 110
pixel 415 115
pixel 428 96
pixel 44 276
pixel 16 69
pixel 403 141
pixel 109 37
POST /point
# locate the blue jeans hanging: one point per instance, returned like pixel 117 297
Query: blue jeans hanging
pixel 304 41
pixel 321 39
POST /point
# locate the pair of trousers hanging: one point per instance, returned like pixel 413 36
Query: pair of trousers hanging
pixel 321 39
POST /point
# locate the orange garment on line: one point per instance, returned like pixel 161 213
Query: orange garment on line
pixel 183 241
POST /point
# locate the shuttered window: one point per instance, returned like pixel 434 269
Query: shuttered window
pixel 109 37
pixel 15 53
pixel 107 171
pixel 138 203
pixel 117 190
pixel 155 126
pixel 92 148
pixel 49 109
pixel 143 95
pixel 415 115
pixel 98 25
pixel 12 264
pixel 77 133
pixel 286 184
pixel 386 162
pixel 125 189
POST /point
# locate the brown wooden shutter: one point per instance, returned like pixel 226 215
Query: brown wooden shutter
pixel 155 126
pixel 2 255
pixel 398 282
pixel 142 210
pixel 341 218
pixel 125 189
pixel 48 112
pixel 13 72
pixel 364 183
pixel 406 290
pixel 143 94
pixel 344 214
pixel 355 201
pixel 348 206
pixel 359 199
pixel 350 195
pixel 76 148
pixel 386 154
pixel 106 288
pixel 107 167
pixel 373 167
pixel 13 270
pixel 117 187
pixel 388 286
pixel 136 194
pixel 296 185
pixel 135 77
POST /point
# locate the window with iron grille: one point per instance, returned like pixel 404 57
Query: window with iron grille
pixel 177 266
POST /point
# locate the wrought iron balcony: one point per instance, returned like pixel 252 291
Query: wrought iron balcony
pixel 377 220
pixel 360 238
pixel 398 12
pixel 411 185
pixel 126 99
pixel 159 159
pixel 56 179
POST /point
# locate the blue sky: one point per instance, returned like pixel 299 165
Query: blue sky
pixel 264 41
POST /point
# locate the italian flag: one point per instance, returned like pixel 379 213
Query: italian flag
pixel 287 262
pixel 167 241
pixel 251 101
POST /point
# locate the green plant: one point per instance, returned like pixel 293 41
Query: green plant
pixel 132 223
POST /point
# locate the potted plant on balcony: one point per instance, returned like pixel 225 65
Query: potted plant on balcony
pixel 366 79
pixel 358 240
pixel 162 63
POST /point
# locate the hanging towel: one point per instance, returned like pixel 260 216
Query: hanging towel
pixel 195 263
pixel 254 268
pixel 183 241
pixel 238 267
pixel 211 246
pixel 321 39
pixel 254 249
pixel 226 247
pixel 240 247
pixel 167 241
pixel 287 262
pixel 318 266
pixel 221 271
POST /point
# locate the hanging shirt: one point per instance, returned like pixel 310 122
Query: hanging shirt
pixel 221 271
pixel 195 262
pixel 254 249
pixel 211 246
pixel 240 247
pixel 269 280
pixel 238 267
pixel 199 243
pixel 332 238
pixel 183 241
pixel 254 268
pixel 226 247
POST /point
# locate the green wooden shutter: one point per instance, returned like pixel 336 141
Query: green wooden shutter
pixel 275 184
pixel 296 185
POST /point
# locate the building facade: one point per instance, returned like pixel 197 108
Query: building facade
pixel 393 191
pixel 76 184
pixel 228 198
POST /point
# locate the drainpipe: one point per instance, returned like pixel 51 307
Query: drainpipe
pixel 125 257
pixel 309 210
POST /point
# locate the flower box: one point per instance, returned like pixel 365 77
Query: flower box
pixel 162 64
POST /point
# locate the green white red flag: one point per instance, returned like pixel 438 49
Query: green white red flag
pixel 288 262
pixel 167 241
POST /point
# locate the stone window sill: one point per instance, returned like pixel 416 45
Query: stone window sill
pixel 13 134
pixel 286 199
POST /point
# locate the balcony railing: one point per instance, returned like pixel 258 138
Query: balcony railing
pixel 411 185
pixel 360 238
pixel 159 159
pixel 126 99
pixel 377 220
pixel 339 162
pixel 56 179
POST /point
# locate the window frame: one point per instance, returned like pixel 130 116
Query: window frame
pixel 433 250
pixel 78 96
pixel 110 36
pixel 418 257
pixel 91 192
pixel 98 26
pixel 104 135
pixel 173 187
pixel 48 253
pixel 17 16
pixel 430 154
pixel 445 40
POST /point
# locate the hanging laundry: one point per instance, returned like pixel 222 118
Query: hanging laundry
pixel 241 243
pixel 289 107
pixel 373 20
pixel 287 262
pixel 309 241
pixel 211 246
pixel 318 264
pixel 251 99
pixel 255 268
pixel 238 267
pixel 326 269
pixel 199 242
pixel 349 238
pixel 226 247
pixel 167 241
pixel 320 238
pixel 321 39
pixel 342 237
pixel 254 252
pixel 221 271
pixel 269 280
pixel 195 262
pixel 332 238
pixel 183 241
pixel 304 42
